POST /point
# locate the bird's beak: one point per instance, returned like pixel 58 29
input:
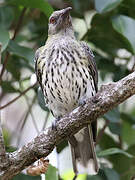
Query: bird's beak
pixel 65 12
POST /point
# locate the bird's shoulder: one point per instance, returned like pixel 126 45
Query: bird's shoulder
pixel 91 62
pixel 40 51
pixel 86 49
pixel 39 54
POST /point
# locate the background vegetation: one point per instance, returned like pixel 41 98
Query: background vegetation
pixel 109 28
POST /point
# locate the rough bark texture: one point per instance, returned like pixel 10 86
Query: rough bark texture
pixel 108 97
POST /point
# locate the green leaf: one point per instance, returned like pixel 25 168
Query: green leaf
pixel 129 165
pixel 96 177
pixel 100 176
pixel 43 5
pixel 127 8
pixel 20 38
pixel 115 128
pixel 7 136
pixel 51 173
pixel 36 27
pixel 6 17
pixel 107 142
pixel 41 100
pixel 4 39
pixel 110 42
pixel 128 133
pixel 79 7
pixel 14 63
pixel 111 174
pixel 21 51
pixel 111 151
pixel 128 117
pixel 8 87
pixel 103 6
pixel 105 64
pixel 10 148
pixel 125 26
pixel 113 115
pixel 26 177
pixel 61 146
pixel 124 164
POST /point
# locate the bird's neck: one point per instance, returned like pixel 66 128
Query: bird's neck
pixel 68 32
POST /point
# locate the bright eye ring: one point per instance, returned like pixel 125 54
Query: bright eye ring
pixel 52 20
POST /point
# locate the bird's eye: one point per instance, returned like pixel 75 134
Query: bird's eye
pixel 52 20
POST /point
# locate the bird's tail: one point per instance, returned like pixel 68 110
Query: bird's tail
pixel 83 152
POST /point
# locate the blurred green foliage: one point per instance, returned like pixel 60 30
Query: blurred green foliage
pixel 23 28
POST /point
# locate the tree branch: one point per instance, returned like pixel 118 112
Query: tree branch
pixel 16 98
pixel 107 98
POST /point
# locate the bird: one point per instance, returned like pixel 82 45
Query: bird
pixel 67 74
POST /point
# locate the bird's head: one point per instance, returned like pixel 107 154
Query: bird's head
pixel 60 21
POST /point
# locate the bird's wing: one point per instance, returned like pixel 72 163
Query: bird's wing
pixel 38 68
pixel 93 70
pixel 91 61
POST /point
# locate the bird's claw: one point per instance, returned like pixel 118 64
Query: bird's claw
pixel 82 101
pixel 54 123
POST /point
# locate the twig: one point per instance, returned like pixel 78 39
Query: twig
pixel 2 95
pixel 31 113
pixel 15 132
pixel 46 118
pixel 24 120
pixel 21 94
pixel 120 142
pixel 19 125
pixel 30 110
pixel 19 23
pixel 101 132
pixel 108 97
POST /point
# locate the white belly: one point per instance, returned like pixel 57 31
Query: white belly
pixel 65 86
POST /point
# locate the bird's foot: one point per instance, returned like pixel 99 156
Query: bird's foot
pixel 95 100
pixel 82 101
pixel 54 123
